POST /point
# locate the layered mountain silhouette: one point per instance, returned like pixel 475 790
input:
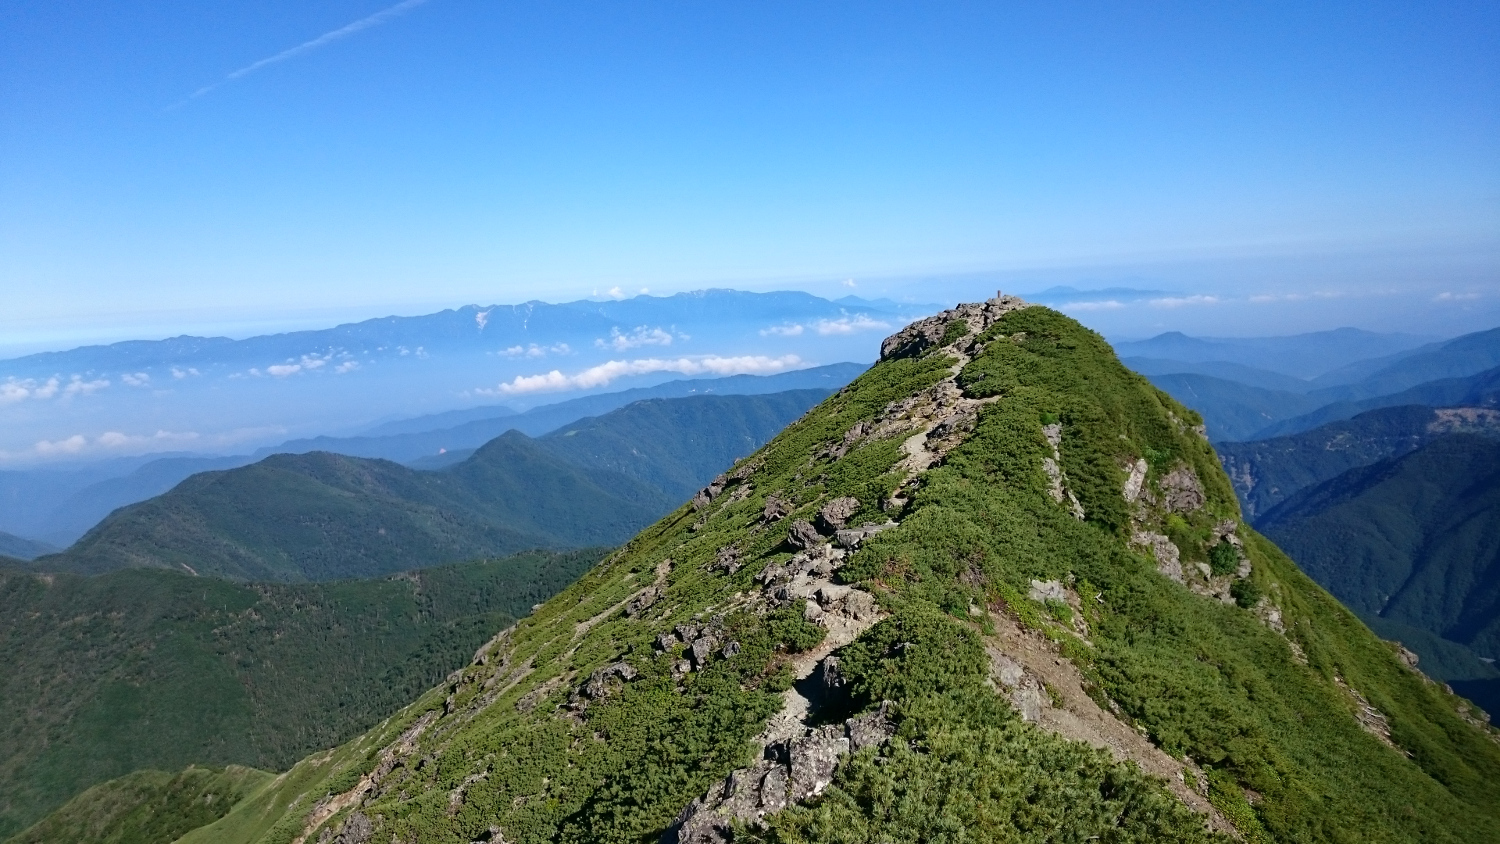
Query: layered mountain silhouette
pixel 322 516
pixel 998 588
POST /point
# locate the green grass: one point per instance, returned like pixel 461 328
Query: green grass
pixel 146 807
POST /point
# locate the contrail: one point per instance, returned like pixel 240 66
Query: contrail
pixel 323 40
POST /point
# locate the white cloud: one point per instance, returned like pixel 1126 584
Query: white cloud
pixel 346 366
pixel 1184 301
pixel 307 363
pixel 1455 297
pixel 848 282
pixel 825 327
pixel 641 336
pixel 19 389
pixel 481 318
pixel 793 330
pixel 71 445
pixel 138 379
pixel 1106 305
pixel 180 374
pixel 604 373
pixel 80 387
pixel 535 351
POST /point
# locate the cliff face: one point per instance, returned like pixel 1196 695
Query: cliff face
pixel 995 589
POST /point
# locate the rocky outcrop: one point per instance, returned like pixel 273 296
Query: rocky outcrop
pixel 924 334
pixel 1182 491
pixel 835 514
pixel 788 772
pixel 803 535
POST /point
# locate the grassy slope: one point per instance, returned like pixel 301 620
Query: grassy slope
pixel 154 669
pixel 323 516
pixel 146 807
pixel 1202 678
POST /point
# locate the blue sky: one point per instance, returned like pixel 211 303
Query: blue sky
pixel 455 151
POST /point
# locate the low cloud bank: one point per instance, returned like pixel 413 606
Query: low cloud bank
pixel 603 374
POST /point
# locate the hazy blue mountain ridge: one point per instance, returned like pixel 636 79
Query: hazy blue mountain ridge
pixel 1478 390
pixel 1267 472
pixel 60 506
pixel 1299 355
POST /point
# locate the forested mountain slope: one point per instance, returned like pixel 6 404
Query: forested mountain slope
pixel 1413 540
pixel 320 516
pixel 960 600
pixel 323 516
pixel 145 668
pixel 1267 472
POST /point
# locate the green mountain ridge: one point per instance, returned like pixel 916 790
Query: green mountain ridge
pixel 146 668
pixel 20 548
pixel 321 516
pixel 994 589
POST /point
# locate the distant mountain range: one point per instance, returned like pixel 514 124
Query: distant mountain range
pixel 1304 356
pixel 58 506
pixel 1239 401
pixel 219 395
pixel 323 516
pixel 1267 472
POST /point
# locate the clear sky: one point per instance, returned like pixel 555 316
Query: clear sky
pixel 174 166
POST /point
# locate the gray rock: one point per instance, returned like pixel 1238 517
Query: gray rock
pixel 922 335
pixel 700 650
pixel 599 684
pixel 835 513
pixel 356 829
pixel 1047 590
pixel 776 509
pixel 1182 490
pixel 642 602
pixel 790 771
pixel 803 535
pixel 852 537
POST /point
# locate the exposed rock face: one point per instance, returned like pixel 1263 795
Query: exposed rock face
pixel 1168 558
pixel 1048 590
pixel 1135 480
pixel 776 509
pixel 706 495
pixel 803 535
pixel 924 334
pixel 790 771
pixel 356 829
pixel 642 602
pixel 836 513
pixel 1182 490
pixel 852 537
